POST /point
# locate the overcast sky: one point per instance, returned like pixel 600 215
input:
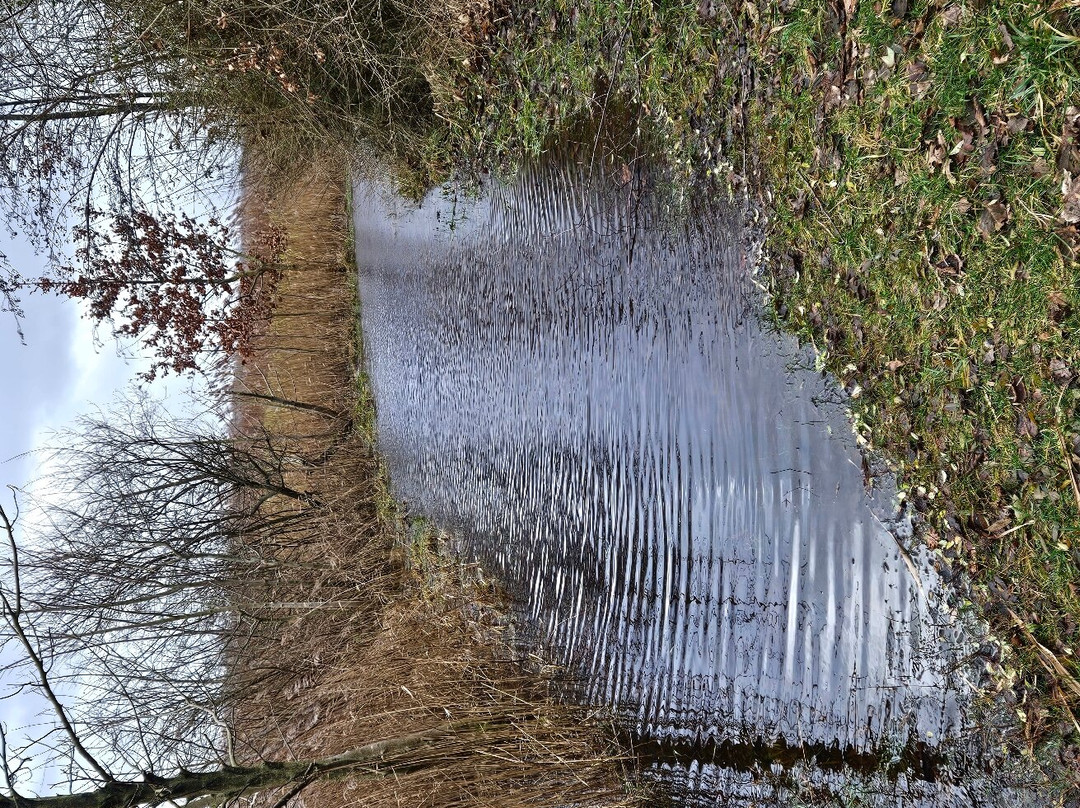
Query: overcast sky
pixel 59 373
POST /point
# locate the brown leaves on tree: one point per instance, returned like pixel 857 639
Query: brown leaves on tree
pixel 172 283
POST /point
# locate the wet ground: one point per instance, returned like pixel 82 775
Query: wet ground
pixel 582 390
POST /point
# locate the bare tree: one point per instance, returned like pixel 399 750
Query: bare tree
pixel 101 783
pixel 138 569
pixel 129 597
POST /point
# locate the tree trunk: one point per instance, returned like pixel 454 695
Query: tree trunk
pixel 394 755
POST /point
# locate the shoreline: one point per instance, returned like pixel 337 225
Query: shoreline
pixel 379 633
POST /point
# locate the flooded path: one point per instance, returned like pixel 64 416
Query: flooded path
pixel 673 496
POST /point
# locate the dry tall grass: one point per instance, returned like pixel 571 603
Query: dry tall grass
pixel 348 643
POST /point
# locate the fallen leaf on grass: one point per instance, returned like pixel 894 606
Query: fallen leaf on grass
pixel 798 204
pixel 1070 199
pixel 951 265
pixel 1069 154
pixel 1025 425
pixel 1006 38
pixel 963 147
pixel 1018 390
pixel 918 76
pixel 994 217
pixel 1060 371
pixel 894 365
pixel 1058 307
pixel 936 151
pixel 988 163
pixel 1017 123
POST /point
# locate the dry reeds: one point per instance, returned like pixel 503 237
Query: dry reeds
pixel 346 643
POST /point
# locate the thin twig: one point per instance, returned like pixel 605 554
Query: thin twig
pixel 12 612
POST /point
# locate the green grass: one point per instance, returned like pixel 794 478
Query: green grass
pixel 915 236
pixel 937 315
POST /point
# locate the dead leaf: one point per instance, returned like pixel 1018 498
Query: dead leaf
pixel 988 163
pixel 962 148
pixel 1006 38
pixel 994 217
pixel 951 15
pixel 1060 371
pixel 899 9
pixel 1069 154
pixel 1069 241
pixel 894 365
pixel 936 151
pixel 951 265
pixel 798 204
pixel 916 71
pixel 1058 307
pixel 999 122
pixel 1070 199
pixel 962 205
pixel 979 115
pixel 918 76
pixel 1017 123
pixel 1018 390
pixel 1025 425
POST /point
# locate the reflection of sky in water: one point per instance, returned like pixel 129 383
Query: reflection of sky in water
pixel 585 398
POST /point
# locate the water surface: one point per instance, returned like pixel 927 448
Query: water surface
pixel 585 394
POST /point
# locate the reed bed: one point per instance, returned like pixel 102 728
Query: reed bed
pixel 361 634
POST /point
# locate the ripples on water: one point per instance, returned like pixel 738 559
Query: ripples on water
pixel 588 400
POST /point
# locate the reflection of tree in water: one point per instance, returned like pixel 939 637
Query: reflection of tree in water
pixel 679 515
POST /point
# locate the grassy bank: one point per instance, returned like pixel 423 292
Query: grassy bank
pixel 921 167
pixel 917 162
pixel 365 631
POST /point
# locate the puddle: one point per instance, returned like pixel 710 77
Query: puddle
pixel 586 396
